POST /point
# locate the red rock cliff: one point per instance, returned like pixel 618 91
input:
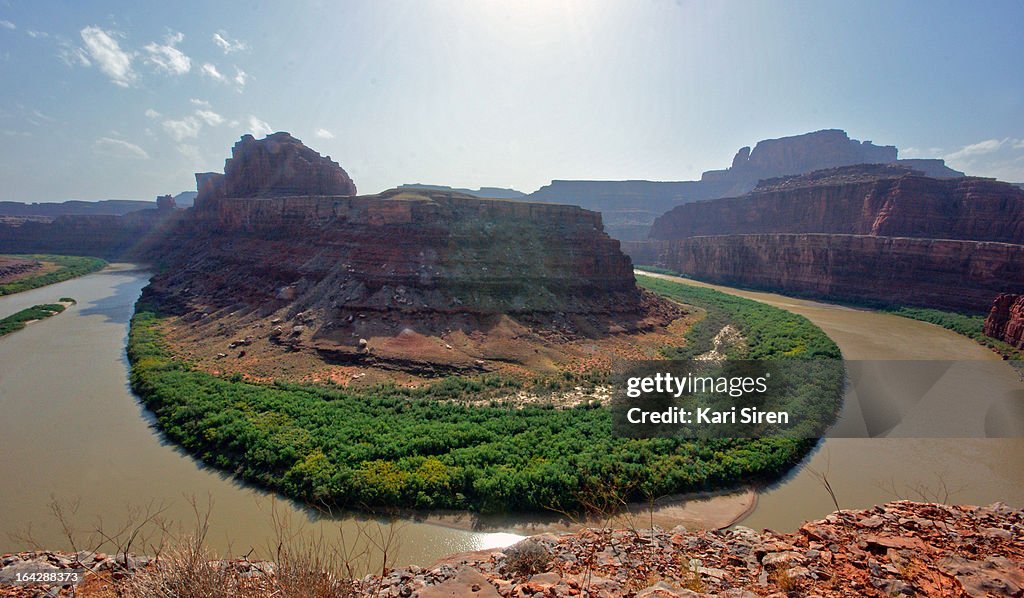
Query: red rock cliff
pixel 877 200
pixel 278 165
pixel 866 232
pixel 946 274
pixel 402 250
pixel 1006 320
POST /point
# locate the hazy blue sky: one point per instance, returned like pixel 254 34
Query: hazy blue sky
pixel 128 99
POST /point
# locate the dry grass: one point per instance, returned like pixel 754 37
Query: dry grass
pixel 304 564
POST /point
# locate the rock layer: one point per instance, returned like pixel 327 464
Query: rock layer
pixel 880 200
pixel 1006 320
pixel 423 251
pixel 945 274
pixel 877 233
pixel 629 207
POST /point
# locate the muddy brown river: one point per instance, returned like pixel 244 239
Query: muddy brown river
pixel 71 430
pixel 910 462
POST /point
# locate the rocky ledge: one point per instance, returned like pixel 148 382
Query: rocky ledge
pixel 1005 321
pixel 898 549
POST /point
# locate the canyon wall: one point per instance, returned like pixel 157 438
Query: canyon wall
pixel 405 251
pixel 877 200
pixel 1006 320
pixel 945 274
pixel 629 207
pixel 132 236
pixel 877 233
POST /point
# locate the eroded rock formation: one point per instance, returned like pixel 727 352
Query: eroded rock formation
pixel 945 274
pixel 877 200
pixel 629 207
pixel 1006 320
pixel 412 251
pixel 414 280
pixel 278 165
pixel 878 233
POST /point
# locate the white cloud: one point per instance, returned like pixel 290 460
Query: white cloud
pixel 189 151
pixel 104 50
pixel 42 116
pixel 167 58
pixel 198 102
pixel 259 128
pixel 185 128
pixel 324 134
pixel 240 77
pixel 7 24
pixel 35 34
pixel 210 117
pixel 72 55
pixel 120 148
pixel 211 71
pixel 998 158
pixel 150 113
pixel 977 149
pixel 227 44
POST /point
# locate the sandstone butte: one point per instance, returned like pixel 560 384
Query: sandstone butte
pixel 1006 320
pixel 280 255
pixel 897 549
pixel 877 233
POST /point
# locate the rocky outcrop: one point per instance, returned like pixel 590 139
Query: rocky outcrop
pixel 629 207
pixel 876 233
pixel 277 165
pixel 1005 321
pixel 800 153
pixel 945 274
pixel 421 281
pixel 403 251
pixel 898 549
pixel 879 200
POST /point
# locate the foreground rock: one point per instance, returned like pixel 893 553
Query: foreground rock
pixel 898 549
pixel 901 548
pixel 1005 321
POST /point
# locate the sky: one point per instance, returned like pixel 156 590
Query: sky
pixel 128 99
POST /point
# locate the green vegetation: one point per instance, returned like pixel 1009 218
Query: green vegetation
pixel 390 446
pixel 969 325
pixel 69 266
pixel 771 332
pixel 36 312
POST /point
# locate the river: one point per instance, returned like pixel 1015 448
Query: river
pixel 866 471
pixel 70 428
